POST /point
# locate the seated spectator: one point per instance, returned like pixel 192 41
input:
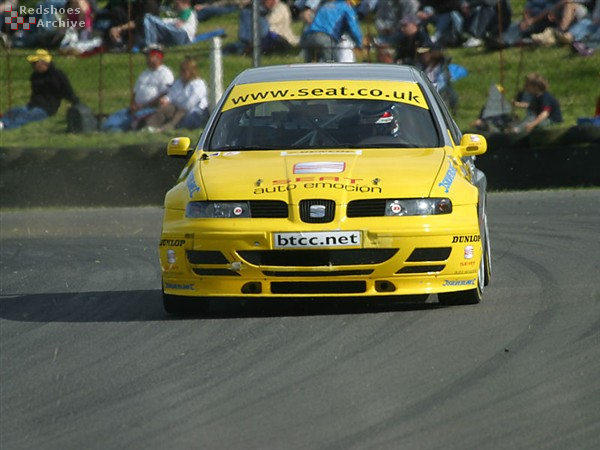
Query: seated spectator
pixel 185 105
pixel 412 37
pixel 275 32
pixel 385 54
pixel 542 110
pixel 80 13
pixel 322 37
pixel 179 30
pixel 432 61
pixel 49 86
pixel 497 114
pixel 585 33
pixel 446 18
pixel 153 83
pixel 123 27
pixel 46 33
pixel 206 9
pixel 388 14
pixel 485 20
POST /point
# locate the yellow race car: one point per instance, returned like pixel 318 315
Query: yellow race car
pixel 344 180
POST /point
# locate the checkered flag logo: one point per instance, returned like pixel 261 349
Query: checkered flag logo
pixel 12 18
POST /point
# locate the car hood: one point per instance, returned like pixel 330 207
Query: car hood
pixel 340 174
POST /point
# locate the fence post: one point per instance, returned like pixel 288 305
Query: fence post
pixel 216 72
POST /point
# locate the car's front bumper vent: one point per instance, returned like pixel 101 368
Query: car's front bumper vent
pixel 206 257
pixel 366 208
pixel 430 254
pixel 268 209
pixel 216 273
pixel 320 273
pixel 422 269
pixel 317 211
pixel 318 287
pixel 312 258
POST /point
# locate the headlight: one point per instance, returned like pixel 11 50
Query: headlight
pixel 217 210
pixel 418 207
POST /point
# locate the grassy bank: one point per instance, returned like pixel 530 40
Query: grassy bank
pixel 104 83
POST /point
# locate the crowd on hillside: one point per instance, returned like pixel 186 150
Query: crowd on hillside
pixel 414 32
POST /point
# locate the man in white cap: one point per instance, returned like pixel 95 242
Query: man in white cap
pixel 49 86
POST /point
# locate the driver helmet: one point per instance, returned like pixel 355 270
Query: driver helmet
pixel 381 116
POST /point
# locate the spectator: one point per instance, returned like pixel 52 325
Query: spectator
pixel 537 16
pixel 542 110
pixel 80 13
pixel 49 86
pixel 206 9
pixel 126 22
pixel 153 83
pixel 185 105
pixel 485 20
pixel 413 36
pixel 432 61
pixel 446 18
pixel 385 54
pixel 323 35
pixel 179 30
pixel 584 34
pixel 46 33
pixel 388 14
pixel 276 34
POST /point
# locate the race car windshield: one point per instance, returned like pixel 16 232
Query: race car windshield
pixel 324 123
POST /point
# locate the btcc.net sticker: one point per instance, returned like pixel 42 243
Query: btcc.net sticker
pixel 317 239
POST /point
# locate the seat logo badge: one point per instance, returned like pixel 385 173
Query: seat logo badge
pixel 317 211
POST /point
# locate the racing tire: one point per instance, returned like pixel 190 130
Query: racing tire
pixel 469 297
pixel 184 306
pixel 487 254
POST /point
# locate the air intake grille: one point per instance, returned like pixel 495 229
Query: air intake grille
pixel 366 208
pixel 317 211
pixel 313 258
pixel 268 209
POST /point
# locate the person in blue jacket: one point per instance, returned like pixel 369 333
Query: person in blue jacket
pixel 332 19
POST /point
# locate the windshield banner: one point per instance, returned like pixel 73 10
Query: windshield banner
pixel 393 91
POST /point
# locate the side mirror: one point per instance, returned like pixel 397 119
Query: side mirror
pixel 179 146
pixel 472 144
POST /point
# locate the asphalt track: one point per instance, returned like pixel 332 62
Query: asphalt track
pixel 88 359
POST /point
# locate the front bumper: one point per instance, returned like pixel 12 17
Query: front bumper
pixel 397 256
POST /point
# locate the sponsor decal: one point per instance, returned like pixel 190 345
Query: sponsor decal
pixel 448 178
pixel 460 282
pixel 247 94
pixel 172 242
pixel 468 252
pixel 467 263
pixel 181 287
pixel 466 238
pixel 319 167
pixel 171 256
pixel 191 184
pixel 336 186
pixel 317 239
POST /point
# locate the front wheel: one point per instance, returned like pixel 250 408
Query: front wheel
pixel 470 297
pixel 184 306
